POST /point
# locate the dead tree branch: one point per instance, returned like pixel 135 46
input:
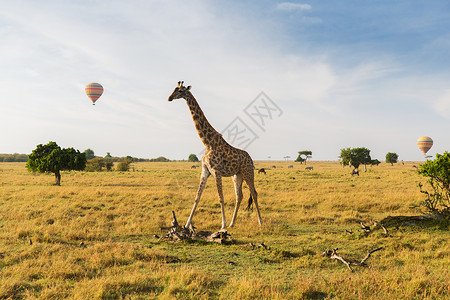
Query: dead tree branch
pixel 382 226
pixel 333 255
pixel 363 261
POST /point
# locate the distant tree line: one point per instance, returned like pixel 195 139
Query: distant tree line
pixel 90 154
pixel 16 157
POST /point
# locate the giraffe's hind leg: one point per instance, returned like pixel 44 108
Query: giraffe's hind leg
pixel 237 180
pixel 251 185
pixel 203 179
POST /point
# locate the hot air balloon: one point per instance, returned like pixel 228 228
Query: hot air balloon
pixel 425 143
pixel 94 91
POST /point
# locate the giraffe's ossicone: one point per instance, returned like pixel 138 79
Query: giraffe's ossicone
pixel 220 160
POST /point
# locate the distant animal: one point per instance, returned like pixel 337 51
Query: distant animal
pixel 355 172
pixel 309 168
pixel 193 167
pixel 273 167
pixel 290 167
pixel 261 171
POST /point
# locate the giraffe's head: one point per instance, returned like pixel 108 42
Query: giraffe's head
pixel 180 91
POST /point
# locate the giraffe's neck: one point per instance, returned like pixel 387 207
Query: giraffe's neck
pixel 206 132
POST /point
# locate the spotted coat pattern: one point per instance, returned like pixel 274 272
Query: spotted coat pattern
pixel 220 159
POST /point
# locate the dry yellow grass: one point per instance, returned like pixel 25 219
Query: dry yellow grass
pixel 92 237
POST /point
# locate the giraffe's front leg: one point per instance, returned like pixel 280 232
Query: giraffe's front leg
pixel 222 207
pixel 203 179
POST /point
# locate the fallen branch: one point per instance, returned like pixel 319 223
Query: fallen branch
pixel 382 226
pixel 365 227
pixel 262 245
pixel 333 255
pixel 367 230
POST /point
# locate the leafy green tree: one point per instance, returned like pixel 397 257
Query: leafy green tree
pixel 437 171
pixel 89 153
pixel 193 158
pixel 51 158
pixel 303 156
pixel 345 156
pixel 355 157
pixel 391 158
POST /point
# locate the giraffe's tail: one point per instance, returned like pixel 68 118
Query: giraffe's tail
pixel 250 203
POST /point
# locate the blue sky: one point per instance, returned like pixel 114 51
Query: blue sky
pixel 372 74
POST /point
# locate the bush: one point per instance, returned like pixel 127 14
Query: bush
pixel 108 164
pixel 437 171
pixel 375 162
pixel 95 164
pixel 124 165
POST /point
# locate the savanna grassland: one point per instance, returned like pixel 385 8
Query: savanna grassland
pixel 93 236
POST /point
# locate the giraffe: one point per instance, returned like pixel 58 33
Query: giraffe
pixel 220 160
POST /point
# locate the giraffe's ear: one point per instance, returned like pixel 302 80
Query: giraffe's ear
pixel 189 87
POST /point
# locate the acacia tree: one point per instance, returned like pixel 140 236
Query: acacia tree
pixel 303 156
pixel 391 158
pixel 51 158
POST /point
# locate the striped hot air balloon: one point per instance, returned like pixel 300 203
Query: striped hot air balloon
pixel 94 91
pixel 425 143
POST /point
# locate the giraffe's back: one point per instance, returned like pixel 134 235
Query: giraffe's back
pixel 229 161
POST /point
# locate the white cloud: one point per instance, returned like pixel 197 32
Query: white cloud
pixel 442 104
pixel 290 6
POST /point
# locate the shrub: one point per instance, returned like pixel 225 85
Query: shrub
pixel 108 164
pixel 95 164
pixel 124 165
pixel 437 171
